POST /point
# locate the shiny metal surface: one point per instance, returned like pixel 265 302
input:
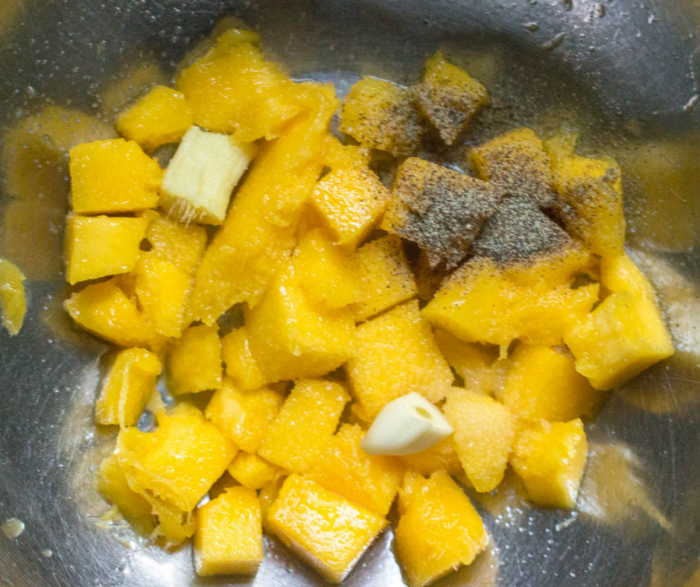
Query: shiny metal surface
pixel 623 71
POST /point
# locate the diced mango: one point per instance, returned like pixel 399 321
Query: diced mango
pixel 621 275
pixel 181 245
pixel 542 383
pixel 253 471
pixel 304 425
pixel 550 458
pixel 128 388
pixel 292 339
pixel 244 416
pixel 555 268
pixel 471 361
pixel 104 310
pixel 322 528
pixel 384 277
pixel 163 291
pixel 440 456
pixel 518 164
pixel 194 361
pixel 380 115
pixel 112 176
pixel 343 467
pixel 484 435
pixel 232 89
pixel 229 534
pixel 396 354
pixel 97 247
pixel 439 531
pixel 259 231
pixel 448 96
pixel 161 116
pixel 12 300
pixel 241 366
pixel 180 461
pixel 174 525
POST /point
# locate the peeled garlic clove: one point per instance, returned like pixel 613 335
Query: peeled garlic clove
pixel 405 426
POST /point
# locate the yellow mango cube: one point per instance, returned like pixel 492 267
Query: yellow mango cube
pixel 229 534
pixel 292 339
pixel 194 361
pixel 161 116
pixel 322 528
pixel 244 416
pixel 128 388
pixel 104 310
pixel 304 425
pixel 384 277
pixel 163 290
pixel 181 245
pixel 550 458
pixel 241 365
pixel 97 247
pixel 448 96
pixel 112 176
pixel 471 361
pixel 232 89
pixel 343 467
pixel 542 383
pixel 438 532
pixel 253 471
pixel 484 433
pixel 440 456
pixel 396 353
pixel 518 164
pixel 12 300
pixel 180 461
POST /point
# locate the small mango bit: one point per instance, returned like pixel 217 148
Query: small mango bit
pixel 380 115
pixel 438 531
pixel 229 534
pixel 181 245
pixel 343 467
pixel 128 388
pixel 12 299
pixel 384 277
pixel 112 176
pixel 244 416
pixel 241 365
pixel 396 353
pixel 550 458
pixel 174 525
pixel 472 362
pixel 253 471
pixel 440 456
pixel 542 383
pixel 162 116
pixel 322 528
pixel 448 96
pixel 304 425
pixel 621 275
pixel 194 361
pixel 102 246
pixel 484 436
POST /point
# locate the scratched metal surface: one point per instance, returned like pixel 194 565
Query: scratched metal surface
pixel 622 70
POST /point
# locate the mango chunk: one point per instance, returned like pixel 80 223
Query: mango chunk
pixel 472 362
pixel 241 365
pixel 517 164
pixel 380 115
pixel 448 96
pixel 175 242
pixel 396 353
pixel 97 247
pixel 12 300
pixel 322 528
pixel 550 458
pixel 439 209
pixel 304 425
pixel 484 436
pixel 128 388
pixel 161 116
pixel 439 531
pixel 163 290
pixel 244 416
pixel 292 339
pixel 343 467
pixel 621 275
pixel 440 456
pixel 253 471
pixel 229 534
pixel 542 383
pixel 112 176
pixel 180 461
pixel 194 361
pixel 104 310
pixel 259 231
pixel 384 277
pixel 591 196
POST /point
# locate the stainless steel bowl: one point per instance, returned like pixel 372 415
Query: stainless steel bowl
pixel 623 71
